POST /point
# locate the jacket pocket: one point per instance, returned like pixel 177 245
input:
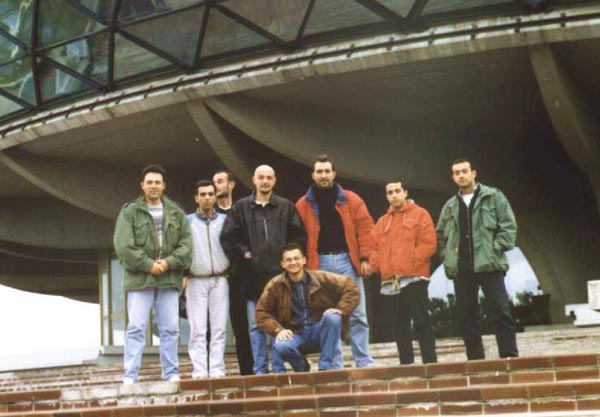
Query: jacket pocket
pixel 141 233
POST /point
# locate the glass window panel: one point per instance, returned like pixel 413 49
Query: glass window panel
pixel 9 50
pixel 402 7
pixel 137 9
pixel 8 106
pixel 17 79
pixel 280 17
pixel 175 34
pixel 16 17
pixel 56 83
pixel 88 56
pixel 60 21
pixel 103 8
pixel 444 6
pixel 328 15
pixel 130 59
pixel 225 35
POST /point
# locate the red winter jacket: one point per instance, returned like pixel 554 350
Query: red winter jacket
pixel 404 242
pixel 356 220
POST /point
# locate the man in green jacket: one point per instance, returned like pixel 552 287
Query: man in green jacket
pixel 153 242
pixel 475 229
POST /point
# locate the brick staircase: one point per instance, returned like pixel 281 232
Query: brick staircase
pixel 559 384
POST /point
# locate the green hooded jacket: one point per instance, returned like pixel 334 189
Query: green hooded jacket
pixel 136 245
pixel 494 231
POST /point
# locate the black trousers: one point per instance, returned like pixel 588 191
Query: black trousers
pixel 411 306
pixel 466 287
pixel 239 323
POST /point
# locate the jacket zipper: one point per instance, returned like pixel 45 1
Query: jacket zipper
pixel 266 229
pixel 212 267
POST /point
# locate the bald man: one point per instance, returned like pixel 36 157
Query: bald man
pixel 257 227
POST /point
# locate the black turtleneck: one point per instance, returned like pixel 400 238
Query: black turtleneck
pixel 331 236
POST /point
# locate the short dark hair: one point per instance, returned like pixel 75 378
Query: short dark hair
pixel 155 169
pixel 462 161
pixel 394 181
pixel 230 176
pixel 290 247
pixel 323 158
pixel 205 183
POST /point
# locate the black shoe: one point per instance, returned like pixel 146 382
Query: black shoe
pixel 306 365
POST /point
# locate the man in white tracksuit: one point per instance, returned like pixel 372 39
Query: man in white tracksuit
pixel 207 289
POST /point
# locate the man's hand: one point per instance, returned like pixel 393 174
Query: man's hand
pixel 164 264
pixel 365 269
pixel 248 255
pixel 284 334
pixel 332 311
pixel 157 269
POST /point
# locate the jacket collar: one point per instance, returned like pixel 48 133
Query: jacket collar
pixel 339 199
pixel 142 205
pixel 272 200
pixel 409 205
pixel 313 284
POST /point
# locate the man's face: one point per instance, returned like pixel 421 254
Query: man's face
pixel 153 186
pixel 205 198
pixel 463 175
pixel 223 185
pixel 292 261
pixel 396 195
pixel 323 174
pixel 264 180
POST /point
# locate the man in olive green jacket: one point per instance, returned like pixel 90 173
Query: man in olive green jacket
pixel 153 242
pixel 475 229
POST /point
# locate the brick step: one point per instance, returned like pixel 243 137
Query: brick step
pixel 458 375
pixel 565 397
pixel 573 340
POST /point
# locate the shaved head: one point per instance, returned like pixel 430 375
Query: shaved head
pixel 264 169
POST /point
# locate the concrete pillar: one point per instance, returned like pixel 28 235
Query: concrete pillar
pixel 574 120
pixel 219 136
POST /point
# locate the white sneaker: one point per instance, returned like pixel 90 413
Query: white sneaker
pixel 174 378
pixel 128 381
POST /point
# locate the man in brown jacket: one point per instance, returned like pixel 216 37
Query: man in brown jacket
pixel 304 311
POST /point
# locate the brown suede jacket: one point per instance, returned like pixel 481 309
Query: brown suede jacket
pixel 325 290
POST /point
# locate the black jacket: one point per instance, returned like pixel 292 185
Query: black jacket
pixel 263 231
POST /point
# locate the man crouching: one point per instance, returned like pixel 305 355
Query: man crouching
pixel 304 311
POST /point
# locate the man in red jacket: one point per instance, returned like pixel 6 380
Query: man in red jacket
pixel 338 239
pixel 404 242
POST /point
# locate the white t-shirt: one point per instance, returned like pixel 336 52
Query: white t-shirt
pixel 467 198
pixel 157 216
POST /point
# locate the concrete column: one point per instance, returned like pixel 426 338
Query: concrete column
pixel 219 136
pixel 574 120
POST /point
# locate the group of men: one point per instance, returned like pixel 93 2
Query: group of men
pixel 290 275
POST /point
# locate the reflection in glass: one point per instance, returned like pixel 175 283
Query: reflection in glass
pixel 103 8
pixel 87 56
pixel 8 50
pixel 56 83
pixel 280 17
pixel 131 59
pixel 62 23
pixel 17 79
pixel 225 35
pixel 175 34
pixel 443 6
pixel 8 106
pixel 137 9
pixel 328 15
pixel 16 17
pixel 402 7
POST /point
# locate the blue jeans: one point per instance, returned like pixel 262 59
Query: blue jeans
pixel 260 342
pixel 139 306
pixel 359 326
pixel 324 336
